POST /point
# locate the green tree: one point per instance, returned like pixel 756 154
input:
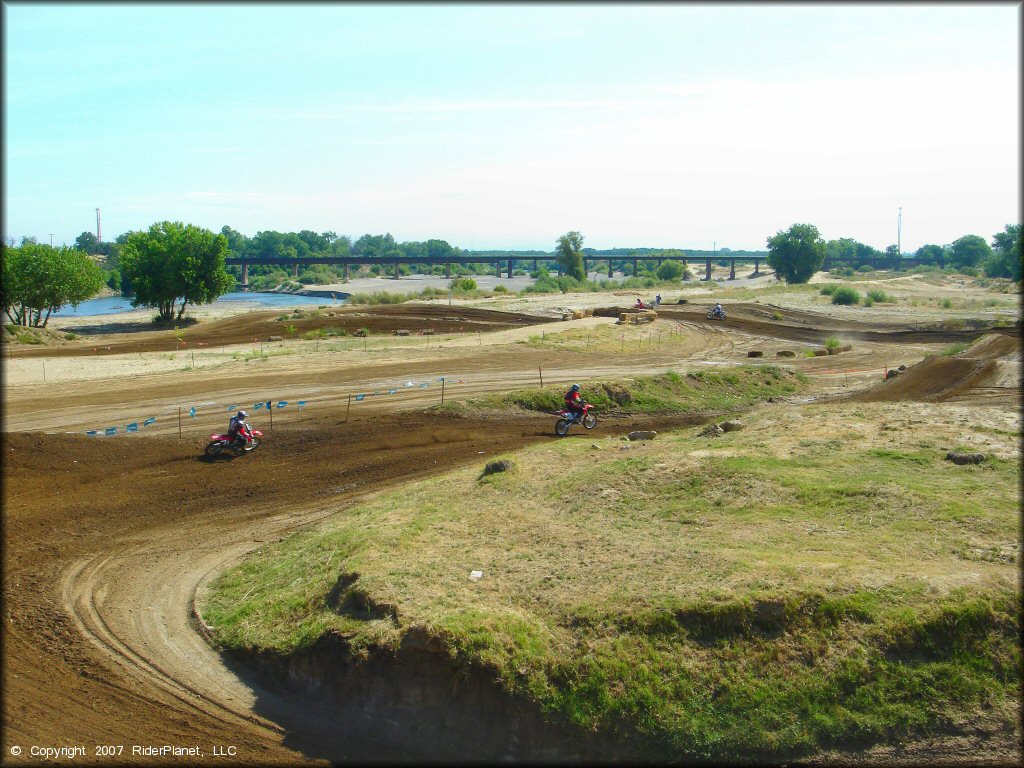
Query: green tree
pixel 174 262
pixel 969 251
pixel 39 277
pixel 1005 260
pixel 932 252
pixel 797 253
pixel 670 270
pixel 87 242
pixel 570 255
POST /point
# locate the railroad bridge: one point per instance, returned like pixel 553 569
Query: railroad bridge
pixel 506 264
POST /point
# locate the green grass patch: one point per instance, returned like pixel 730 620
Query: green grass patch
pixel 748 597
pixel 845 295
pixel 670 392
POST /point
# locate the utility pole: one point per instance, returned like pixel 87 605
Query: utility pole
pixel 899 233
pixel 51 239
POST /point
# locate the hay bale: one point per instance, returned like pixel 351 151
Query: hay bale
pixel 755 353
pixel 832 350
pixel 608 311
pixel 427 332
pixel 732 426
pixel 402 332
pixel 820 352
pixel 846 348
pixel 785 353
pixel 275 338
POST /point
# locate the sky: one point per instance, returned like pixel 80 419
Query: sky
pixel 504 126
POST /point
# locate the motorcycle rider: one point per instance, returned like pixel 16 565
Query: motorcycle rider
pixel 718 311
pixel 239 430
pixel 573 402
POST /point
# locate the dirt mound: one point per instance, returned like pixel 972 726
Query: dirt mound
pixel 990 365
pixel 244 327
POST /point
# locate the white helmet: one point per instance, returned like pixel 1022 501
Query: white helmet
pixel 241 415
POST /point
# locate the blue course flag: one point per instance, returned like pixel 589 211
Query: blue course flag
pixel 360 397
pixel 110 431
pixel 301 403
pixel 133 427
pixel 268 405
pixel 392 391
pixel 441 379
pixel 425 384
pixel 282 403
pixel 257 406
pixel 149 421
pixel 232 407
pixel 192 411
pixel 91 432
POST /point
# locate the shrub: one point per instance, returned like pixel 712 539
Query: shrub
pixel 842 271
pixel 464 284
pixel 865 268
pixel 879 296
pixel 501 289
pixel 70 336
pixel 670 270
pixel 829 289
pixel 947 304
pixel 868 301
pixel 845 295
pixel 831 343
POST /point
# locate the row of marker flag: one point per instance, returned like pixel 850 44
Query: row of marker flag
pixel 268 405
pixel 135 425
pixel 364 395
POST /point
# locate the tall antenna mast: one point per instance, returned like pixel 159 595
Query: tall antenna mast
pixel 99 232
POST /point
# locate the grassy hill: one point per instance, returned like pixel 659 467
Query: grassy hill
pixel 809 581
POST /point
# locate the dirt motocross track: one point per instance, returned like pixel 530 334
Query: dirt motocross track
pixel 107 540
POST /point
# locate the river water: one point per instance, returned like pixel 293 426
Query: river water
pixel 115 305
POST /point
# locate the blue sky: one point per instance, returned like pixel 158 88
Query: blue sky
pixel 504 126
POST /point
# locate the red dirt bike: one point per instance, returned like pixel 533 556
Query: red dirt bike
pixel 220 444
pixel 640 304
pixel 566 419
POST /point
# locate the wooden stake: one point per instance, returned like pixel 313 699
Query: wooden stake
pixel 270 409
pixel 442 390
pixel 541 374
pixel 348 407
pixel 179 422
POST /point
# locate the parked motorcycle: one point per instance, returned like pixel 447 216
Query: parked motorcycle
pixel 716 314
pixel 220 444
pixel 566 419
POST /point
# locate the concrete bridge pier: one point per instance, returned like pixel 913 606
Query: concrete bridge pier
pixel 535 267
pixel 448 270
pixel 397 273
pixel 610 271
pixel 732 269
pixel 295 270
pixel 636 267
pixel 345 279
pixel 757 268
pixel 245 278
pixel 586 268
pixel 510 268
pixel 707 270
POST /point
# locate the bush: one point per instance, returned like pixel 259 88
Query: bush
pixel 463 284
pixel 842 271
pixel 947 304
pixel 865 268
pixel 670 270
pixel 879 296
pixel 70 336
pixel 868 301
pixel 845 295
pixel 501 289
pixel 832 342
pixel 828 290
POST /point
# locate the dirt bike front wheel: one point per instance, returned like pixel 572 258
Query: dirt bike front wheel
pixel 562 427
pixel 590 421
pixel 253 445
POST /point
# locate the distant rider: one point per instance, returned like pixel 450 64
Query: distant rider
pixel 573 402
pixel 239 430
pixel 719 312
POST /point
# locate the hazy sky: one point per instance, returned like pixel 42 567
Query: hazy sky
pixel 504 126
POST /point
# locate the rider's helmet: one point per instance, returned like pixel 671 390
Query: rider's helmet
pixel 575 388
pixel 241 415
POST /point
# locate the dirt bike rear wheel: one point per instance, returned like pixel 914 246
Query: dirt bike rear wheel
pixel 562 427
pixel 214 448
pixel 590 421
